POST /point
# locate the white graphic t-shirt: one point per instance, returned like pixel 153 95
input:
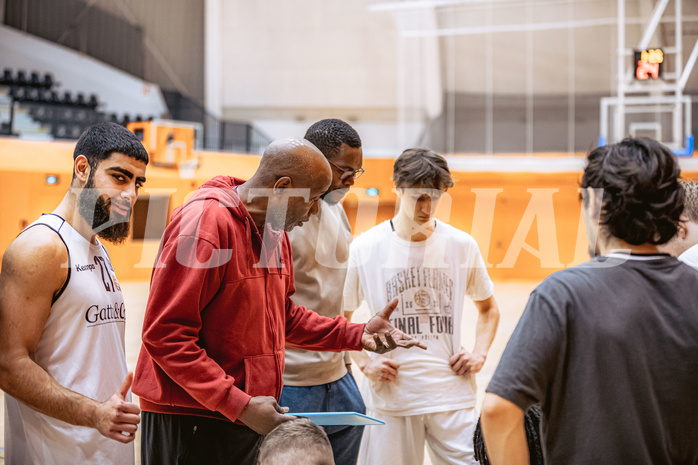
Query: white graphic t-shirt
pixel 82 347
pixel 431 279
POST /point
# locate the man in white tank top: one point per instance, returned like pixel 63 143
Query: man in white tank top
pixel 62 363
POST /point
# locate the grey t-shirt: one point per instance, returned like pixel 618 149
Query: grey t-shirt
pixel 610 351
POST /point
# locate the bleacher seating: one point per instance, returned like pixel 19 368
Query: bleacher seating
pixel 34 107
pixel 7 79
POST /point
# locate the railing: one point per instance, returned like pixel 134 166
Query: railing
pixel 218 134
pixel 35 111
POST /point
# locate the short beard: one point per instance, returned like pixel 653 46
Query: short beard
pixel 276 220
pixel 94 208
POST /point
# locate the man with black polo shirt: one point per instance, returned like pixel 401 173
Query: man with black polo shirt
pixel 608 348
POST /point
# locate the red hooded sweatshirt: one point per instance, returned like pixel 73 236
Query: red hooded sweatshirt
pixel 219 311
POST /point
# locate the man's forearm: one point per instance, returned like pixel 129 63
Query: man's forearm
pixel 485 330
pixel 27 382
pixel 503 432
pixel 361 358
pixel 308 330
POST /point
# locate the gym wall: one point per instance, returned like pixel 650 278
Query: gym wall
pixel 527 222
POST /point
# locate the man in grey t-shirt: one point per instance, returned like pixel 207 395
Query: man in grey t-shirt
pixel 320 381
pixel 609 349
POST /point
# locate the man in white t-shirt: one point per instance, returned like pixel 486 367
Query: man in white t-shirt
pixel 322 381
pixel 430 267
pixel 684 245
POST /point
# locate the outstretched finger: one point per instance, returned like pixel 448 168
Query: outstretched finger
pixel 409 342
pixel 389 309
pixel 385 341
pixel 380 347
pixel 390 341
pixel 123 390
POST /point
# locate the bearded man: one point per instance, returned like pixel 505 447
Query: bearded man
pixel 62 316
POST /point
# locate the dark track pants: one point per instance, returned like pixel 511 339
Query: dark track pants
pixel 190 440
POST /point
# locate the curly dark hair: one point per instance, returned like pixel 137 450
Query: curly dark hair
pixel 690 200
pixel 419 167
pixel 642 197
pixel 328 135
pixel 98 142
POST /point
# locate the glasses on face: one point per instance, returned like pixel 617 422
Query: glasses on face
pixel 347 173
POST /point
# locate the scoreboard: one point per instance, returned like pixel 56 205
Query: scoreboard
pixel 649 64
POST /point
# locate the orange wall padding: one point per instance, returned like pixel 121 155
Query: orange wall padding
pixel 528 225
pixel 492 207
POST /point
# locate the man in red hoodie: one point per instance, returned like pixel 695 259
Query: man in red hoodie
pixel 219 313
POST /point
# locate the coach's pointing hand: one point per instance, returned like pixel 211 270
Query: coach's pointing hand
pixel 381 337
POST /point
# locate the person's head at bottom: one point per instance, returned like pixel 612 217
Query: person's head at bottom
pixel 296 442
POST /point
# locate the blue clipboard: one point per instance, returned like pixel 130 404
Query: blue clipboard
pixel 339 418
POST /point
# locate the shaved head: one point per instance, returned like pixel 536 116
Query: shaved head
pixel 295 175
pixel 297 159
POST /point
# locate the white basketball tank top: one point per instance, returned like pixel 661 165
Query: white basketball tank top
pixel 82 347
